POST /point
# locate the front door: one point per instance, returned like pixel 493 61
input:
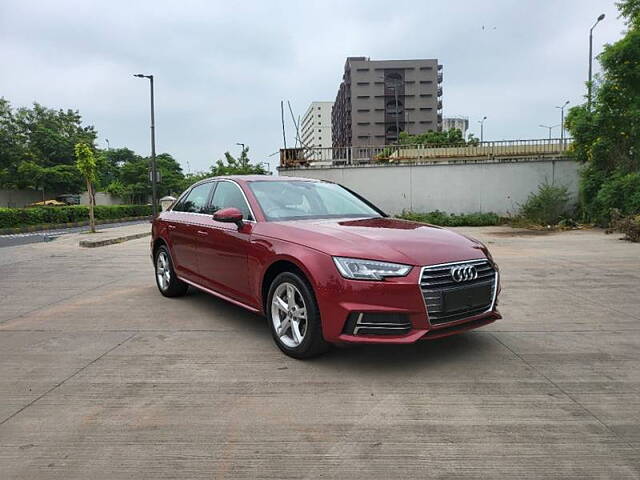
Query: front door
pixel 224 248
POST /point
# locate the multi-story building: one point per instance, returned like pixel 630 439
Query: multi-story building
pixel 315 127
pixel 377 99
pixel 461 123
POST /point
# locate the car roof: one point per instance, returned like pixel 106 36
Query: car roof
pixel 258 178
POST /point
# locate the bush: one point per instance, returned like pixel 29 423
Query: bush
pixel 620 192
pixel 20 217
pixel 548 206
pixel 629 225
pixel 452 220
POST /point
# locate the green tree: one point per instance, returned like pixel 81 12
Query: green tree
pixel 230 165
pixel 448 137
pixel 607 138
pixel 87 165
pixel 37 147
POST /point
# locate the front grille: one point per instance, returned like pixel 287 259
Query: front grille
pixel 437 280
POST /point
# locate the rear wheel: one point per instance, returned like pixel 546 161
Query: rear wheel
pixel 168 283
pixel 294 317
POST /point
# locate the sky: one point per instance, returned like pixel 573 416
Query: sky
pixel 222 68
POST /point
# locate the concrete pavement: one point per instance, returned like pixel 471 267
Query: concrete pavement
pixel 103 378
pixel 13 239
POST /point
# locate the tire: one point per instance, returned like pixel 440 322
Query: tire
pixel 298 334
pixel 166 280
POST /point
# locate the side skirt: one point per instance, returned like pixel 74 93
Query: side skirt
pixel 220 295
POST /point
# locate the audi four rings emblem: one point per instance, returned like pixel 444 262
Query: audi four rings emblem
pixel 464 273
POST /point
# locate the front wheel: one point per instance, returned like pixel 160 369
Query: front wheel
pixel 168 283
pixel 294 317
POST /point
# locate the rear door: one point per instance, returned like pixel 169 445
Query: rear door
pixel 184 224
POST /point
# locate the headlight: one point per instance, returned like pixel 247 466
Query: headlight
pixel 359 269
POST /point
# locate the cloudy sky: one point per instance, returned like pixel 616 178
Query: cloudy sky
pixel 222 67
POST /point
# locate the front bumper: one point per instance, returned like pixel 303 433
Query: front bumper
pixel 341 301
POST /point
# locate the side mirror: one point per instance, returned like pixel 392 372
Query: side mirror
pixel 229 215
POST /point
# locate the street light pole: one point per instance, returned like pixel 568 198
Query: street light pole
pixel 481 122
pixel 562 120
pixel 550 128
pixel 242 145
pixel 154 174
pixel 600 18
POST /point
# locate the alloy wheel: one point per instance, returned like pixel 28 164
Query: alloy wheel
pixel 163 270
pixel 289 314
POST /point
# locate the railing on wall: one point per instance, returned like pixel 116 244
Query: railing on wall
pixel 336 156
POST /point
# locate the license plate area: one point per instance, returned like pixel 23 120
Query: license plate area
pixel 466 298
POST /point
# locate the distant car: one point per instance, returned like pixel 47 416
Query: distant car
pixel 322 263
pixel 48 203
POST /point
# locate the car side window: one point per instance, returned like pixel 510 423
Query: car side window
pixel 196 200
pixel 228 194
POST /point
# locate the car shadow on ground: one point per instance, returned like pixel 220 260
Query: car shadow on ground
pixel 467 347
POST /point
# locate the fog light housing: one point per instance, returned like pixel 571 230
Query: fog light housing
pixel 377 323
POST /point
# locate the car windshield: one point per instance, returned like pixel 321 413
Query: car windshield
pixel 297 200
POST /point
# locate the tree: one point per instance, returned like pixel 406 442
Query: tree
pixel 607 138
pixel 448 137
pixel 88 166
pixel 37 147
pixel 230 165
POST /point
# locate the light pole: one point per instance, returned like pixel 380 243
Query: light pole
pixel 242 145
pixel 600 18
pixel 481 122
pixel 154 174
pixel 562 119
pixel 550 128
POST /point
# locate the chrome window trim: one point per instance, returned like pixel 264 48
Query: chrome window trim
pixel 437 265
pixel 243 196
pixel 215 180
pixel 186 193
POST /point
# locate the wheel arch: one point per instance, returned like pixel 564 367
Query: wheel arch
pixel 276 268
pixel 157 243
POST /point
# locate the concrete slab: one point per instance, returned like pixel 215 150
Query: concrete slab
pixel 103 378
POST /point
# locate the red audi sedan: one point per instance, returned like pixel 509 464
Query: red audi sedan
pixel 323 264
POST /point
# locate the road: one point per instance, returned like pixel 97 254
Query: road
pixel 103 378
pixel 11 240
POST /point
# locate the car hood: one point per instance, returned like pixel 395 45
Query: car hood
pixel 386 239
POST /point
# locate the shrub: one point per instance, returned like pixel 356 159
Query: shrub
pixel 620 192
pixel 20 217
pixel 629 225
pixel 452 220
pixel 548 206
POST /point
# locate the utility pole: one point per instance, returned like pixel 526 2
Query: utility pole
pixel 241 155
pixel 600 18
pixel 154 173
pixel 481 122
pixel 562 120
pixel 550 128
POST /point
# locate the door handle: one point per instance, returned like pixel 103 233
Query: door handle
pixel 172 227
pixel 203 232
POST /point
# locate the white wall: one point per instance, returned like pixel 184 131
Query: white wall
pixel 22 198
pixel 463 187
pixel 102 198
